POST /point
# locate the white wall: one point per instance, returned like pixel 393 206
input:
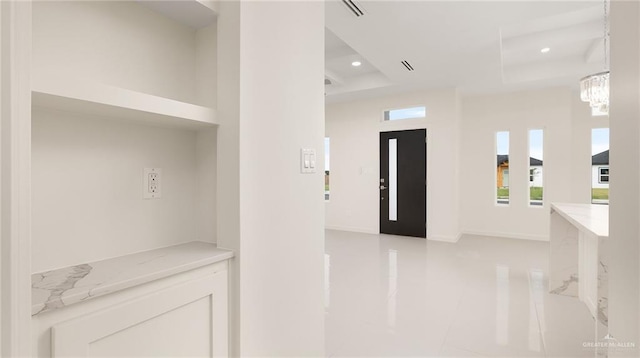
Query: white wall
pixel 119 43
pixel 624 195
pixel 354 129
pixel 15 178
pixel 272 105
pixel 87 188
pixel 470 205
pixel 206 66
pixel 206 174
pixel 281 210
pixel 228 168
pixel 582 124
pixel 554 111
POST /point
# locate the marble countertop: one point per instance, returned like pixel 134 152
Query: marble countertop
pixel 588 217
pixel 66 286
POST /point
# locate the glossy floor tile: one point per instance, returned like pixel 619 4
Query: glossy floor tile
pixel 481 297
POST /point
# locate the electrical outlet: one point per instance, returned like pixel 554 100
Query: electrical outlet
pixel 152 183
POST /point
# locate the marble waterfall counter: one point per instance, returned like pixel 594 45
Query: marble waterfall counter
pixel 578 261
pixel 63 287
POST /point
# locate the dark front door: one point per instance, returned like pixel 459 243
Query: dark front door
pixel 403 177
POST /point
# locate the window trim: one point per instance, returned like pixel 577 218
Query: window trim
pixel 600 175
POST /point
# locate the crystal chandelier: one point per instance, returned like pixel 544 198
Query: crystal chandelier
pixel 595 88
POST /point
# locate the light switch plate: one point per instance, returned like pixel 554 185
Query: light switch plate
pixel 152 183
pixel 307 161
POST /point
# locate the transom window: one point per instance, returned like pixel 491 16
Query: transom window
pixel 405 113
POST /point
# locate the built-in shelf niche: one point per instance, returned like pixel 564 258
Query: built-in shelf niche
pixel 118 87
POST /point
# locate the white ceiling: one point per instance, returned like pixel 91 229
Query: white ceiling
pixel 475 46
pixel 344 76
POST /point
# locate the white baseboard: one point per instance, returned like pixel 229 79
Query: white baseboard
pixel 446 238
pixel 506 235
pixel 352 229
pixel 443 238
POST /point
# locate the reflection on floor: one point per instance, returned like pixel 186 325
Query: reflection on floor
pixel 395 296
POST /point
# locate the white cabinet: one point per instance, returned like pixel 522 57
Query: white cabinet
pixel 164 302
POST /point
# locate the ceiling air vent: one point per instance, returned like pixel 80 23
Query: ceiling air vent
pixel 407 65
pixel 355 9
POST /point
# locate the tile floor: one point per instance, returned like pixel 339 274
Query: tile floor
pixel 482 297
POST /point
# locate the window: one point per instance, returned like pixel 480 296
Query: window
pixel 603 175
pixel 405 113
pixel 502 171
pixel 505 178
pixel 536 147
pixel 393 179
pixel 327 145
pixel 600 166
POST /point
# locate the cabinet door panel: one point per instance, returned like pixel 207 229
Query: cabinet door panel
pixel 185 320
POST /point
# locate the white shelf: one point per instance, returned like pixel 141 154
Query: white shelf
pixel 193 13
pixel 101 100
pixel 69 285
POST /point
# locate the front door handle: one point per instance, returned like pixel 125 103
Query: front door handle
pixel 382 187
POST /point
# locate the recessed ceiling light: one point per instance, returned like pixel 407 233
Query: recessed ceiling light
pixel 356 63
pixel 545 50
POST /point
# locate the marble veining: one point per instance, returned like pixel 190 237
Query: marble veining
pixel 603 283
pixel 62 287
pixel 603 304
pixel 58 282
pixel 573 279
pixel 579 241
pixel 563 256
